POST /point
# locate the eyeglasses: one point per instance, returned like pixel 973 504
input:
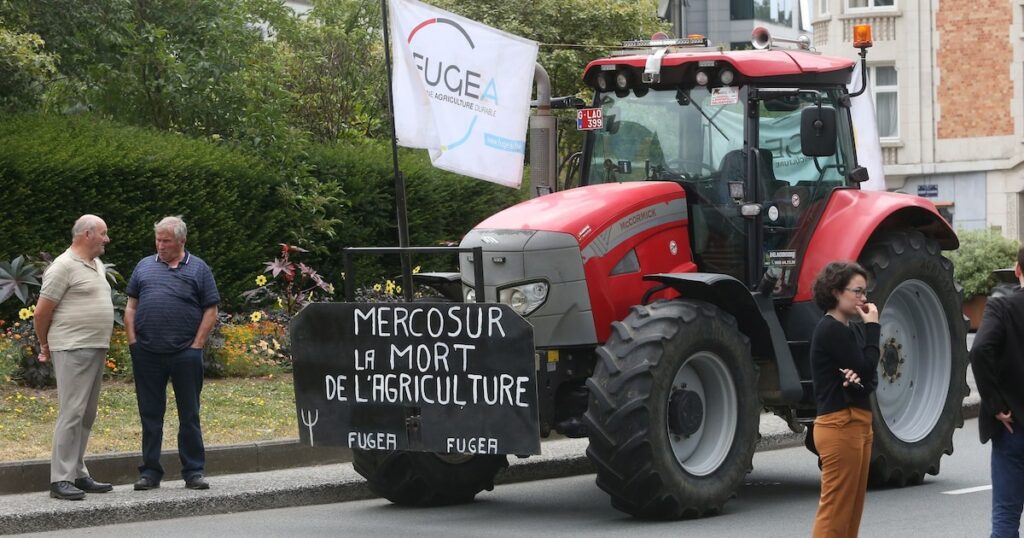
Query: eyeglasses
pixel 859 292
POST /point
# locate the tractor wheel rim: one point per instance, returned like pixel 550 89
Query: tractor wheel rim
pixel 914 369
pixel 707 375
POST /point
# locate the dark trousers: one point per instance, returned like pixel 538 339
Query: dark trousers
pixel 1007 480
pixel 185 371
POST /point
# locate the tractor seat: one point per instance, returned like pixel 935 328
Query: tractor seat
pixel 734 168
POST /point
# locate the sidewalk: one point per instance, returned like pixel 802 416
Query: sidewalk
pixel 31 512
pixel 323 484
pixel 301 476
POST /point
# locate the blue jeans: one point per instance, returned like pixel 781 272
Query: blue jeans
pixel 185 371
pixel 1007 481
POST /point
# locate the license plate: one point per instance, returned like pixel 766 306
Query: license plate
pixel 589 119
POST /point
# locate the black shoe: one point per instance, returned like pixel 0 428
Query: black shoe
pixel 196 482
pixel 66 490
pixel 89 485
pixel 144 482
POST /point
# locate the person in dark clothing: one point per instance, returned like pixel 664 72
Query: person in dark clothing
pixel 172 307
pixel 844 362
pixel 997 358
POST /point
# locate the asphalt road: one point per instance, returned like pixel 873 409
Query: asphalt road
pixel 779 499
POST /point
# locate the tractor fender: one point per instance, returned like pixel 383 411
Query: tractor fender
pixel 755 314
pixel 449 285
pixel 852 216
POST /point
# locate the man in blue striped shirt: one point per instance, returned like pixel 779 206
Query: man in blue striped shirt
pixel 172 307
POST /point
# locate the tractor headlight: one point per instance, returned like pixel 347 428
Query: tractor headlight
pixel 524 298
pixel 702 78
pixel 621 81
pixel 726 76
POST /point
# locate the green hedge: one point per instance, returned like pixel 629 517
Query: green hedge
pixel 981 252
pixel 55 168
pixel 442 206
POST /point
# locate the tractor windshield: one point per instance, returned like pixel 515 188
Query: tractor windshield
pixel 696 137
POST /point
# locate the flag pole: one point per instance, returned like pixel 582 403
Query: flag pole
pixel 400 206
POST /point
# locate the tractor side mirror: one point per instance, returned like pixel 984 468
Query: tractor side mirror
pixel 818 131
pixel 859 175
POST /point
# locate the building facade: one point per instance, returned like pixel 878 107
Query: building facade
pixel 729 22
pixel 947 77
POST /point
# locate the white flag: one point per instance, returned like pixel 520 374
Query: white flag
pixel 462 90
pixel 865 135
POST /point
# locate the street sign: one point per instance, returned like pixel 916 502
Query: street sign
pixel 432 377
pixel 928 191
pixel 589 119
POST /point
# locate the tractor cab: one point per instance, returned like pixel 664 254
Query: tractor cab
pixel 757 139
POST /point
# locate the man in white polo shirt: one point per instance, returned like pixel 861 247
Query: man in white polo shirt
pixel 74 319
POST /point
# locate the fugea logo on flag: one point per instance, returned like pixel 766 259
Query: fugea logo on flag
pixel 462 90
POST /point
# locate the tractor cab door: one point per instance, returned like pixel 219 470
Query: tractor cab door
pixel 793 188
pixel 690 137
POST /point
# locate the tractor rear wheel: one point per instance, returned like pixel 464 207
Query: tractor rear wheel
pixel 923 364
pixel 427 479
pixel 674 412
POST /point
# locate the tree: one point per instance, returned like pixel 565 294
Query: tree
pixel 336 71
pixel 200 68
pixel 25 68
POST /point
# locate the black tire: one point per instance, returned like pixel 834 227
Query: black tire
pixel 627 416
pixel 425 479
pixel 904 259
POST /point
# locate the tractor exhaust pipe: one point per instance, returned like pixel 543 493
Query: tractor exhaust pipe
pixel 543 139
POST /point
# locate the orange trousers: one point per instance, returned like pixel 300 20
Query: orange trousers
pixel 843 440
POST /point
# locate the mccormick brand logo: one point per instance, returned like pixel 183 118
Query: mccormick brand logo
pixel 463 86
pixel 637 218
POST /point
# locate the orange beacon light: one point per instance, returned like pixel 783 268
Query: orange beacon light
pixel 862 36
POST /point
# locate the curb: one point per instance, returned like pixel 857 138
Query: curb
pixel 303 486
pixel 298 485
pixel 122 468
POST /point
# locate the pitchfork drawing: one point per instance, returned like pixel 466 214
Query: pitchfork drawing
pixel 309 418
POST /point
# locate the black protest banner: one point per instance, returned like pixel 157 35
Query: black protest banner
pixel 434 377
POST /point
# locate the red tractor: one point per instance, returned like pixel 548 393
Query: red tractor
pixel 670 292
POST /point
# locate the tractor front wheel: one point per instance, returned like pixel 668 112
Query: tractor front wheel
pixel 673 412
pixel 427 479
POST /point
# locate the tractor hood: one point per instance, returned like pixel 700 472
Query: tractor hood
pixel 589 213
pixel 574 242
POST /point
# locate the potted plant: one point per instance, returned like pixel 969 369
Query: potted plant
pixel 975 264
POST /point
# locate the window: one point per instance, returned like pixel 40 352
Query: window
pixel 822 7
pixel 885 91
pixel 740 10
pixel 870 4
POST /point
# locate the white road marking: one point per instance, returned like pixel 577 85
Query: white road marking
pixel 967 490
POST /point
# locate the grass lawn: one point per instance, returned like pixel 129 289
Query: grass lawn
pixel 233 411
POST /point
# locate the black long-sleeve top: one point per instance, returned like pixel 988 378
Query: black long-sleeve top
pixel 997 358
pixel 835 346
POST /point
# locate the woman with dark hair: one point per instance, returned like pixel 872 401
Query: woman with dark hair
pixel 844 362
